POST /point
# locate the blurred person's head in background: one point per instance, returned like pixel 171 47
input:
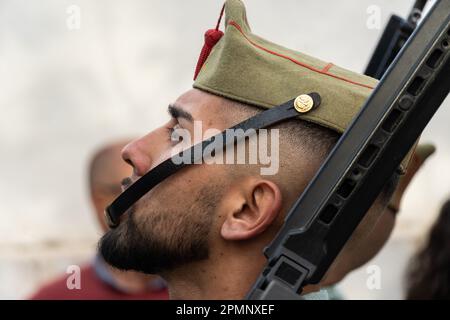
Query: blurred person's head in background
pixel 106 172
pixel 428 276
pixel 100 280
pixel 376 239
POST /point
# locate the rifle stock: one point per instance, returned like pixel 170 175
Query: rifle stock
pixel 368 153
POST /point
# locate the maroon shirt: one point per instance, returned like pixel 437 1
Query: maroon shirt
pixel 92 288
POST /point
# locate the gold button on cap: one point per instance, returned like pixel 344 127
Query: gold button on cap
pixel 303 103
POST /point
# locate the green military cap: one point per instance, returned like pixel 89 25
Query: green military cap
pixel 247 68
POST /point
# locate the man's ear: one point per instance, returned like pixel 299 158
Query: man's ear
pixel 250 207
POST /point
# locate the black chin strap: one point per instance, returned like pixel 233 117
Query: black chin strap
pixel 147 182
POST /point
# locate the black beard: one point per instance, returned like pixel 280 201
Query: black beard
pixel 157 244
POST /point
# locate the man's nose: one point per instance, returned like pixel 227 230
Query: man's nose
pixel 136 154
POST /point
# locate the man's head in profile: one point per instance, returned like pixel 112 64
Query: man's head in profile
pixel 204 228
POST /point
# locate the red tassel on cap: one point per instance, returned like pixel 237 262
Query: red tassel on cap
pixel 212 36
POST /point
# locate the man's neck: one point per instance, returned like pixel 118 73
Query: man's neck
pixel 218 278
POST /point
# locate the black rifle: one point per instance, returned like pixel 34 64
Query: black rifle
pixel 394 37
pixel 368 153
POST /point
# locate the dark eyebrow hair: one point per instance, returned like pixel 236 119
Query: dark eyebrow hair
pixel 176 112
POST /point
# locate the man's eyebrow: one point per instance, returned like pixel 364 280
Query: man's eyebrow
pixel 176 112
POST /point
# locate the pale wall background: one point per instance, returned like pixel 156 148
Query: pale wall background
pixel 65 92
